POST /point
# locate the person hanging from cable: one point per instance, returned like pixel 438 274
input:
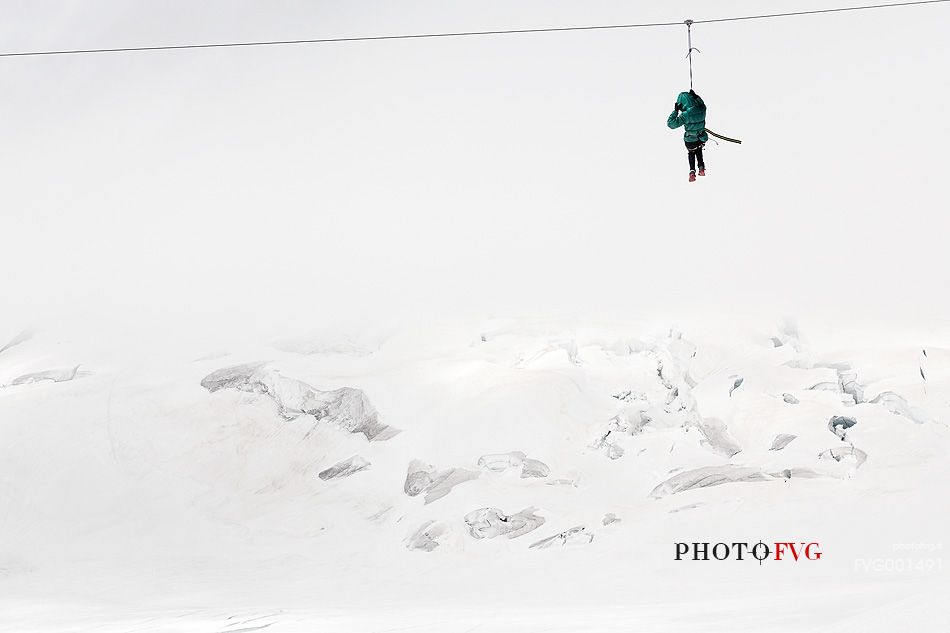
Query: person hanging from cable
pixel 689 112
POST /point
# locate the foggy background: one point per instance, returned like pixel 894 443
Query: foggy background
pixel 515 174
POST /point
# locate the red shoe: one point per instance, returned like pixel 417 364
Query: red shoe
pixel 692 176
pixel 702 171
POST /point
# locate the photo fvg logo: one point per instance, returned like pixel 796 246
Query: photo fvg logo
pixel 795 551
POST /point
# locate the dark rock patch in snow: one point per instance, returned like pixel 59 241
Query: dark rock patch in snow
pixel 344 468
pixel 609 518
pixel 789 398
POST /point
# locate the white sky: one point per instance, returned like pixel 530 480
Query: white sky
pixel 491 175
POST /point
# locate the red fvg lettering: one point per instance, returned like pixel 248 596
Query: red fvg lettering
pixel 808 550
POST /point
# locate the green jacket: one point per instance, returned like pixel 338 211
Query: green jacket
pixel 692 115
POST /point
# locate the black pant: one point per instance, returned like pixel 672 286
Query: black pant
pixel 695 151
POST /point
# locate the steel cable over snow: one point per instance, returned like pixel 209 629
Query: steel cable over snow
pixel 413 36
